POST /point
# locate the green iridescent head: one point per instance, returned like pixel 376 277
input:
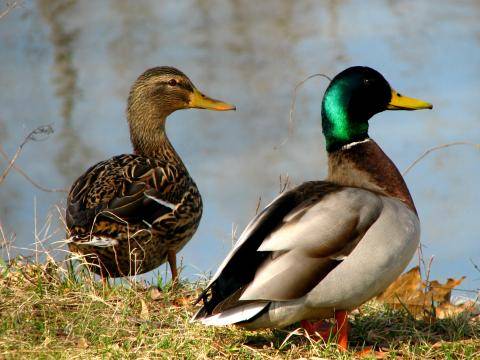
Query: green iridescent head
pixel 352 98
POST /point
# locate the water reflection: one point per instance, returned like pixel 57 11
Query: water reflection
pixel 79 59
pixel 335 31
pixel 137 35
pixel 74 154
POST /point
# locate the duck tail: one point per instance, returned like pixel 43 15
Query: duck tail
pixel 236 315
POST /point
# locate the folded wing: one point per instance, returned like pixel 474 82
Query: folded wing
pixel 124 189
pixel 291 245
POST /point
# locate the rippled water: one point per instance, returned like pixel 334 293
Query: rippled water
pixel 70 64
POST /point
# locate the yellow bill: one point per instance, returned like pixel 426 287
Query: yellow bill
pixel 201 101
pixel 400 102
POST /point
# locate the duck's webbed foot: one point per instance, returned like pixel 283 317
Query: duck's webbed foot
pixel 321 330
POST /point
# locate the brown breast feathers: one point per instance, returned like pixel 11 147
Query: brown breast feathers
pixel 365 165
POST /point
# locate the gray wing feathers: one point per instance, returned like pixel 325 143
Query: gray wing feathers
pixel 331 251
pixel 287 276
pixel 310 242
pixel 326 226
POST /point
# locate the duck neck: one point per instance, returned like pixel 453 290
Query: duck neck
pixel 363 164
pixel 342 122
pixel 150 139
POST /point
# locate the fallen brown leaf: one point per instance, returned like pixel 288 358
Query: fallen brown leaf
pixel 144 313
pixel 155 293
pixel 422 300
pixel 447 309
pixel 82 343
pixel 369 352
pixel 442 292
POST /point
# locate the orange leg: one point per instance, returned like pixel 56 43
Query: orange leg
pixel 318 329
pixel 172 261
pixel 340 330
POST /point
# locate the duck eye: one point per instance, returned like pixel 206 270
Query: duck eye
pixel 367 82
pixel 172 82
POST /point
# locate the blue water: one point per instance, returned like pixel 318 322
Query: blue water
pixel 71 66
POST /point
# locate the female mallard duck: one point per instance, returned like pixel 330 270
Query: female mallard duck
pixel 129 214
pixel 325 247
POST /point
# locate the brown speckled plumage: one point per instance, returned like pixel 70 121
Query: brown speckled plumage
pixel 129 214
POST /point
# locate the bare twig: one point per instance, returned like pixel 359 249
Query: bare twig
pixel 420 257
pixel 10 6
pixel 27 177
pixel 259 203
pixel 475 265
pixel 427 278
pixel 234 234
pixel 438 147
pixel 429 269
pixel 292 105
pixel 284 183
pixel 5 241
pixel 38 134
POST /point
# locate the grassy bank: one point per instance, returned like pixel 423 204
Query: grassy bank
pixel 47 312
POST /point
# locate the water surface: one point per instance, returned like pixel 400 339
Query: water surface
pixel 70 64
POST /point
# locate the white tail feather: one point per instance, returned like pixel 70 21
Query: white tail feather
pixel 94 241
pixel 235 315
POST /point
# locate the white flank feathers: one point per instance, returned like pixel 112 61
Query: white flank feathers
pixel 94 241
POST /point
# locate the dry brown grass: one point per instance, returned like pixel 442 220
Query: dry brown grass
pixel 49 310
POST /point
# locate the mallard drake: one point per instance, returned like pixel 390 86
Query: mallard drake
pixel 131 213
pixel 324 247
